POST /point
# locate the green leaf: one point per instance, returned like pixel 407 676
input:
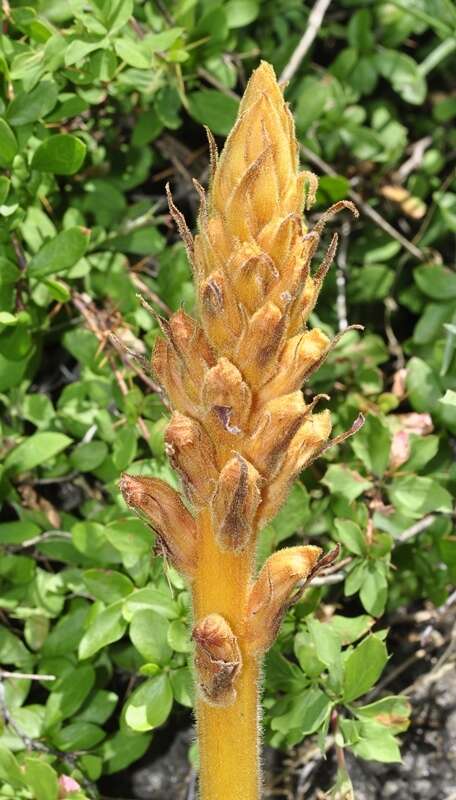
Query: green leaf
pixel 306 653
pixel 152 599
pixel 87 456
pixel 10 771
pixel 5 185
pixel 124 447
pixel 30 106
pixel 374 589
pixel 130 536
pixel 99 706
pixel 359 30
pixel 123 749
pixel 60 253
pixel 371 283
pixel 372 445
pixel 66 633
pixel 107 627
pixel 393 712
pixel 68 693
pixel 349 629
pixel 363 667
pixel 449 398
pixel 179 637
pixel 376 744
pixel 78 49
pixel 326 641
pixel 241 12
pixel 423 386
pixel 183 686
pixel 312 98
pixel 61 154
pixel 90 538
pixel 422 450
pixel 37 408
pixel 8 144
pixel 415 496
pixel 403 73
pixel 134 53
pixel 308 712
pixel 17 532
pixel 36 450
pixel 214 109
pixel 117 14
pixel 350 534
pixel 147 128
pixel 436 281
pixel 340 479
pixel 78 736
pixel 150 704
pixel 148 632
pixel 107 585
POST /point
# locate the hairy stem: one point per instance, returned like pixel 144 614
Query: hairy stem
pixel 228 736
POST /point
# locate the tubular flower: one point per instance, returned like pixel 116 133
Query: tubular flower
pixel 241 431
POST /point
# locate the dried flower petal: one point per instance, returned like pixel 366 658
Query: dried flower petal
pixel 235 503
pixel 275 589
pixel 217 660
pixel 191 452
pixel 165 512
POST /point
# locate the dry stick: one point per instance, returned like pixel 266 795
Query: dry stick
pixel 365 207
pixel 25 676
pixel 203 73
pixel 313 26
pixel 145 289
pixel 414 530
pixel 341 278
pixel 418 150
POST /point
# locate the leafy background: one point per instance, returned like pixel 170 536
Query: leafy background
pixel 101 104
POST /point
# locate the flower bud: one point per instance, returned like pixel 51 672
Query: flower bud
pixel 190 343
pixel 300 356
pixel 235 503
pixel 280 238
pixel 163 509
pixel 280 420
pixel 260 343
pixel 217 660
pixel 213 246
pixel 302 307
pixel 183 394
pixel 192 455
pixel 252 273
pixel 227 397
pixel 279 584
pixel 220 312
pixel 306 445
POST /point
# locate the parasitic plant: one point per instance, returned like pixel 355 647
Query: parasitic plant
pixel 241 431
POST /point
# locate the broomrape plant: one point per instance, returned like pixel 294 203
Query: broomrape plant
pixel 241 430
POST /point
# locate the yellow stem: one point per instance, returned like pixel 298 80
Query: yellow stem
pixel 228 737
